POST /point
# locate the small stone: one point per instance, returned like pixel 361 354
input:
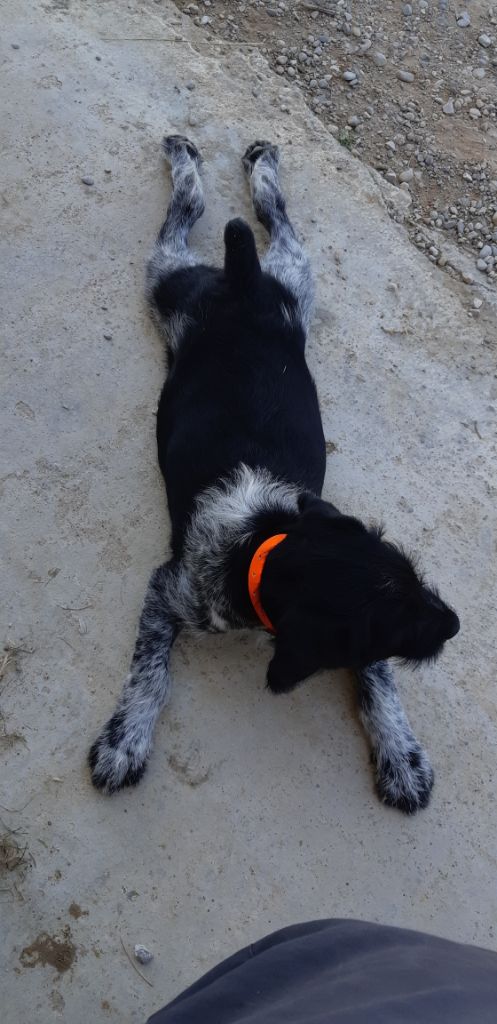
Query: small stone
pixel 463 19
pixel 108 337
pixel 142 954
pixel 406 175
pixel 467 278
pixel 474 113
pixel 407 10
pixel 479 72
pixel 190 86
pixel 391 177
pixel 88 180
pixel 391 145
pixel 481 265
pixel 349 76
pixel 205 20
pixel 494 218
pixel 405 76
pixel 477 303
pixel 448 108
pixel 485 251
pixel 282 59
pixel 354 121
pixel 379 59
pixel 192 120
pixel 484 40
pixel 291 72
pixel 15 46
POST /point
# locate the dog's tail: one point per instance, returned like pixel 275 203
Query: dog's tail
pixel 241 262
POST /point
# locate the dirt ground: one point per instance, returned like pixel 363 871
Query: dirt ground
pixel 434 135
pixel 255 812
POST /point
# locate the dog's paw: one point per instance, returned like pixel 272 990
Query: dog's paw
pixel 258 149
pixel 405 781
pixel 174 145
pixel 116 762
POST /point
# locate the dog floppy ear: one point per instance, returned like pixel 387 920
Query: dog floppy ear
pixel 296 653
pixel 311 505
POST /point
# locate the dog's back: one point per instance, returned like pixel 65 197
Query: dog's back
pixel 238 389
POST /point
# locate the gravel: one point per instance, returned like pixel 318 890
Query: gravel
pixel 88 180
pixel 430 140
pixel 142 954
pixel 463 19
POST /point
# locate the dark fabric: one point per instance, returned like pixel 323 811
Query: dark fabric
pixel 344 972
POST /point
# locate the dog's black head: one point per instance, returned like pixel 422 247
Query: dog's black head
pixel 344 598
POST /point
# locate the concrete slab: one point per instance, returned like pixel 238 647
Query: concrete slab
pixel 255 812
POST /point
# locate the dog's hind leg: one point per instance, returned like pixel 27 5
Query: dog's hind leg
pixel 171 252
pixel 286 258
pixel 404 776
pixel 119 756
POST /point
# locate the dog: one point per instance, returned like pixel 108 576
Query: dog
pixel 242 452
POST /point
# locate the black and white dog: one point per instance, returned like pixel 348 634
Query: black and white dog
pixel 242 451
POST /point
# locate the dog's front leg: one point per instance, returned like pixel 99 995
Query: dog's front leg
pixel 119 756
pixel 404 776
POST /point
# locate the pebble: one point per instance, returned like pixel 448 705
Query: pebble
pixel 379 59
pixel 494 218
pixel 406 175
pixel 354 121
pixel 463 19
pixel 190 86
pixel 87 179
pixel 15 46
pixel 108 337
pixel 468 278
pixel 405 76
pixel 391 145
pixel 477 303
pixel 448 108
pixel 485 251
pixel 478 72
pixel 481 265
pixel 349 76
pixel 484 40
pixel 407 10
pixel 142 954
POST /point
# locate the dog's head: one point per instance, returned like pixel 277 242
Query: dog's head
pixel 345 598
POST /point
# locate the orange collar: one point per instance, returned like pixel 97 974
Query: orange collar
pixel 255 575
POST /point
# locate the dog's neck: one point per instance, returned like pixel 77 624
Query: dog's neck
pixel 229 523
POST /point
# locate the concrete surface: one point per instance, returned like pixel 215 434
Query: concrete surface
pixel 256 812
